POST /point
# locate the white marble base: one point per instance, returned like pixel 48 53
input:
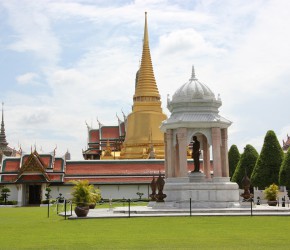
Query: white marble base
pixel 247 204
pixel 196 177
pixel 217 193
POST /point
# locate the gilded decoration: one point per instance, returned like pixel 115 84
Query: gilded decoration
pixel 33 164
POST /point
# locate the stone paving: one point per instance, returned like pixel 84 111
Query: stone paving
pixel 143 211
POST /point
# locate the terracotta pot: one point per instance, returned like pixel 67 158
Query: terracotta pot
pixel 82 211
pixel 272 203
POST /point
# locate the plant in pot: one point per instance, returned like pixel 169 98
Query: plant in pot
pixel 81 196
pixel 95 197
pixel 271 194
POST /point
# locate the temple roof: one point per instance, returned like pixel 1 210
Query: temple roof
pixel 194 105
pixel 192 90
pixel 32 167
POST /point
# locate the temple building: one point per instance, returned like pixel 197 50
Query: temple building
pixel 144 139
pixel 120 160
pixel 105 142
pixel 138 136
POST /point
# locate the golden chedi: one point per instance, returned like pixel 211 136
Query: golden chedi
pixel 144 139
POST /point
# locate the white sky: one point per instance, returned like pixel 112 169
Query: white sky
pixel 64 62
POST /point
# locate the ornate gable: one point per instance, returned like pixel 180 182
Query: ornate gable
pixel 33 165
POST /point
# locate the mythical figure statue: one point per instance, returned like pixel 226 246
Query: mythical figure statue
pixel 160 184
pixel 153 186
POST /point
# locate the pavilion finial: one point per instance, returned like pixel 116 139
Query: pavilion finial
pixel 193 76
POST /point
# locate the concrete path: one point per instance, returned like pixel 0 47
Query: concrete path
pixel 143 211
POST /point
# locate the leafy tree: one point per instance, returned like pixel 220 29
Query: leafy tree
pixel 234 157
pixel 284 175
pixel 266 170
pixel 4 194
pixel 246 164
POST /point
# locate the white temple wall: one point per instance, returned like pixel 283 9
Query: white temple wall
pixel 107 192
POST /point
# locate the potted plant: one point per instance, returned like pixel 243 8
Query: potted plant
pixel 95 197
pixel 82 192
pixel 271 194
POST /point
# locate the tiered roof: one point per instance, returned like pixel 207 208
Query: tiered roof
pixel 99 138
pixel 32 167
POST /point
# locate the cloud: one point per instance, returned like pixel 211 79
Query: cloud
pixel 87 55
pixel 29 78
pixel 33 32
pixel 186 43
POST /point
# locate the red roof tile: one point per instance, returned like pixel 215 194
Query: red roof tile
pixel 11 165
pixel 58 165
pixel 94 135
pixel 114 167
pixel 113 180
pixel 109 132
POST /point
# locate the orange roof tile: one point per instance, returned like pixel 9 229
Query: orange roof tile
pixel 109 132
pixel 94 135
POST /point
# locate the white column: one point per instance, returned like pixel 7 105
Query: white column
pixel 224 152
pixel 206 158
pixel 216 150
pixel 169 154
pixel 182 142
pixel 20 201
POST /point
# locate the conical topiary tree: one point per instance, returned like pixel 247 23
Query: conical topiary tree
pixel 246 164
pixel 234 157
pixel 266 170
pixel 284 175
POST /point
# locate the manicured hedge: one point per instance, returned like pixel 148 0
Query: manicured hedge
pixel 234 157
pixel 284 175
pixel 246 164
pixel 266 170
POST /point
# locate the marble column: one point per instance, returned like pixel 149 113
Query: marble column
pixel 169 154
pixel 182 142
pixel 224 153
pixel 216 150
pixel 206 158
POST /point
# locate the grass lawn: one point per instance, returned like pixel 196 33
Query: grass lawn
pixel 29 228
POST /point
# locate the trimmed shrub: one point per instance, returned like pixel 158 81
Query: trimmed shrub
pixel 246 164
pixel 284 175
pixel 8 203
pixel 266 170
pixel 234 157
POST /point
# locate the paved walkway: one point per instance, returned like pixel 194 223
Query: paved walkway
pixel 143 211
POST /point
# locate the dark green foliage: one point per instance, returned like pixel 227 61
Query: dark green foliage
pixel 234 157
pixel 8 203
pixel 284 175
pixel 266 170
pixel 246 163
pixel 4 194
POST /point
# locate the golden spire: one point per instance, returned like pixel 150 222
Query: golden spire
pixel 146 85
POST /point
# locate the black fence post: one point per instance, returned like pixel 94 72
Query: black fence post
pixel 65 209
pixel 48 208
pixel 129 208
pixel 56 206
pixel 190 206
pixel 71 208
pixel 251 206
